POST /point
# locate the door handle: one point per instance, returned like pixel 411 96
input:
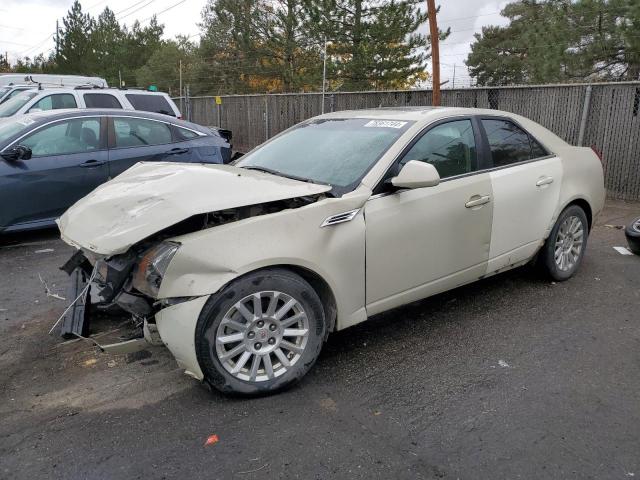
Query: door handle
pixel 477 200
pixel 177 151
pixel 544 181
pixel 92 163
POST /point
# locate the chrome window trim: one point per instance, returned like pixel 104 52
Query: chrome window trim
pixel 51 123
pixel 101 115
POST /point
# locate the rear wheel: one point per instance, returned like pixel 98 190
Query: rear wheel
pixel 564 249
pixel 262 333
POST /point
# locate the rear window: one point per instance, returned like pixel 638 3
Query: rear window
pixel 101 100
pixel 150 103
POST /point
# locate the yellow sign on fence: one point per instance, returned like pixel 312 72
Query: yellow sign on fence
pixel 218 100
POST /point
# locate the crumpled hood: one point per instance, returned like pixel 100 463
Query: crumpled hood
pixel 152 196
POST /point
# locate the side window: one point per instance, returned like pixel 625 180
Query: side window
pixel 450 147
pixel 101 100
pixel 187 134
pixel 79 135
pixel 150 103
pixel 55 102
pixel 138 132
pixel 509 143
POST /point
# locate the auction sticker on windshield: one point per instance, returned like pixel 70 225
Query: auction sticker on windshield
pixel 385 124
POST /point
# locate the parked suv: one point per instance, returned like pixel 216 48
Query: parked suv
pixel 31 101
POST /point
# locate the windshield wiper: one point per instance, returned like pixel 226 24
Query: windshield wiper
pixel 280 174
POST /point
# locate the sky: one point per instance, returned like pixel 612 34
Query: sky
pixel 27 26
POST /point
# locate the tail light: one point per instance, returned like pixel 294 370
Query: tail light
pixel 597 152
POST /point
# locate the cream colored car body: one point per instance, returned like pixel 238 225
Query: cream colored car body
pixel 399 247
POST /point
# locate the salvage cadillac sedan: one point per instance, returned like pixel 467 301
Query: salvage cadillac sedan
pixel 244 270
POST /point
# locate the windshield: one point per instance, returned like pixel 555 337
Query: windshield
pixel 10 128
pixel 11 106
pixel 4 90
pixel 338 152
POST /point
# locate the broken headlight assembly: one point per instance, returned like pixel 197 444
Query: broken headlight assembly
pixel 148 273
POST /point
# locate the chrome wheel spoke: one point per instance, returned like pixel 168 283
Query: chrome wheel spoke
pixel 287 322
pixel 234 352
pixel 242 361
pixel 273 303
pixel 268 366
pixel 255 365
pixel 285 309
pixel 291 347
pixel 234 337
pixel 282 357
pixel 244 311
pixel 294 332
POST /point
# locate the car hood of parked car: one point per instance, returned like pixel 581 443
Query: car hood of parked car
pixel 150 197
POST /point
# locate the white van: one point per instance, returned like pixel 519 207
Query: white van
pixel 36 100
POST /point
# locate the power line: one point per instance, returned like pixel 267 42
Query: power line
pixel 163 11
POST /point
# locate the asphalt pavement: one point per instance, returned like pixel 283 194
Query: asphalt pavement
pixel 511 377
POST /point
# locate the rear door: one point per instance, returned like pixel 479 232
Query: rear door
pixel 101 100
pixel 68 161
pixel 526 181
pixel 134 139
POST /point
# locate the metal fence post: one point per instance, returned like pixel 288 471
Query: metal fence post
pixel 266 117
pixel 585 115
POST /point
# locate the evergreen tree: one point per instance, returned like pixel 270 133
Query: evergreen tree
pixel 558 41
pixel 373 43
pixel 107 41
pixel 76 55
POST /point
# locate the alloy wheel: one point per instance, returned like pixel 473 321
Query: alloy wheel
pixel 569 242
pixel 262 336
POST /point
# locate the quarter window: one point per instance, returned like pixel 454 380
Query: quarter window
pixel 55 102
pixel 509 143
pixel 450 147
pixel 186 133
pixel 79 135
pixel 101 100
pixel 138 132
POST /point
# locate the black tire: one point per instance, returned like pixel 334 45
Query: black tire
pixel 216 308
pixel 632 232
pixel 546 257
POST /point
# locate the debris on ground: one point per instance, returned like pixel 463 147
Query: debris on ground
pixel 211 440
pixel 48 291
pixel 503 364
pixel 45 250
pixel 623 250
pixel 619 227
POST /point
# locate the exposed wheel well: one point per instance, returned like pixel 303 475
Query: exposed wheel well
pixel 580 202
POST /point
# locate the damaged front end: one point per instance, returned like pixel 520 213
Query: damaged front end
pixel 129 283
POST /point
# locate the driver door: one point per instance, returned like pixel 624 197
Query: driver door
pixel 68 161
pixel 423 241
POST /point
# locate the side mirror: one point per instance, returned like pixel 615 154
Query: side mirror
pixel 19 152
pixel 416 174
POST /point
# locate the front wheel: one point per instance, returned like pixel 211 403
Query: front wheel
pixel 261 334
pixel 564 249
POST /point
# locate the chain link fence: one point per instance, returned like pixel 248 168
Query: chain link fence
pixel 605 116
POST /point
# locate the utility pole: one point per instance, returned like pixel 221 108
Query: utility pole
pixel 119 79
pixel 435 51
pixel 453 85
pixel 57 39
pixel 181 103
pixel 324 72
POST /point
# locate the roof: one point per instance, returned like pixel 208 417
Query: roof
pixel 49 115
pixel 414 113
